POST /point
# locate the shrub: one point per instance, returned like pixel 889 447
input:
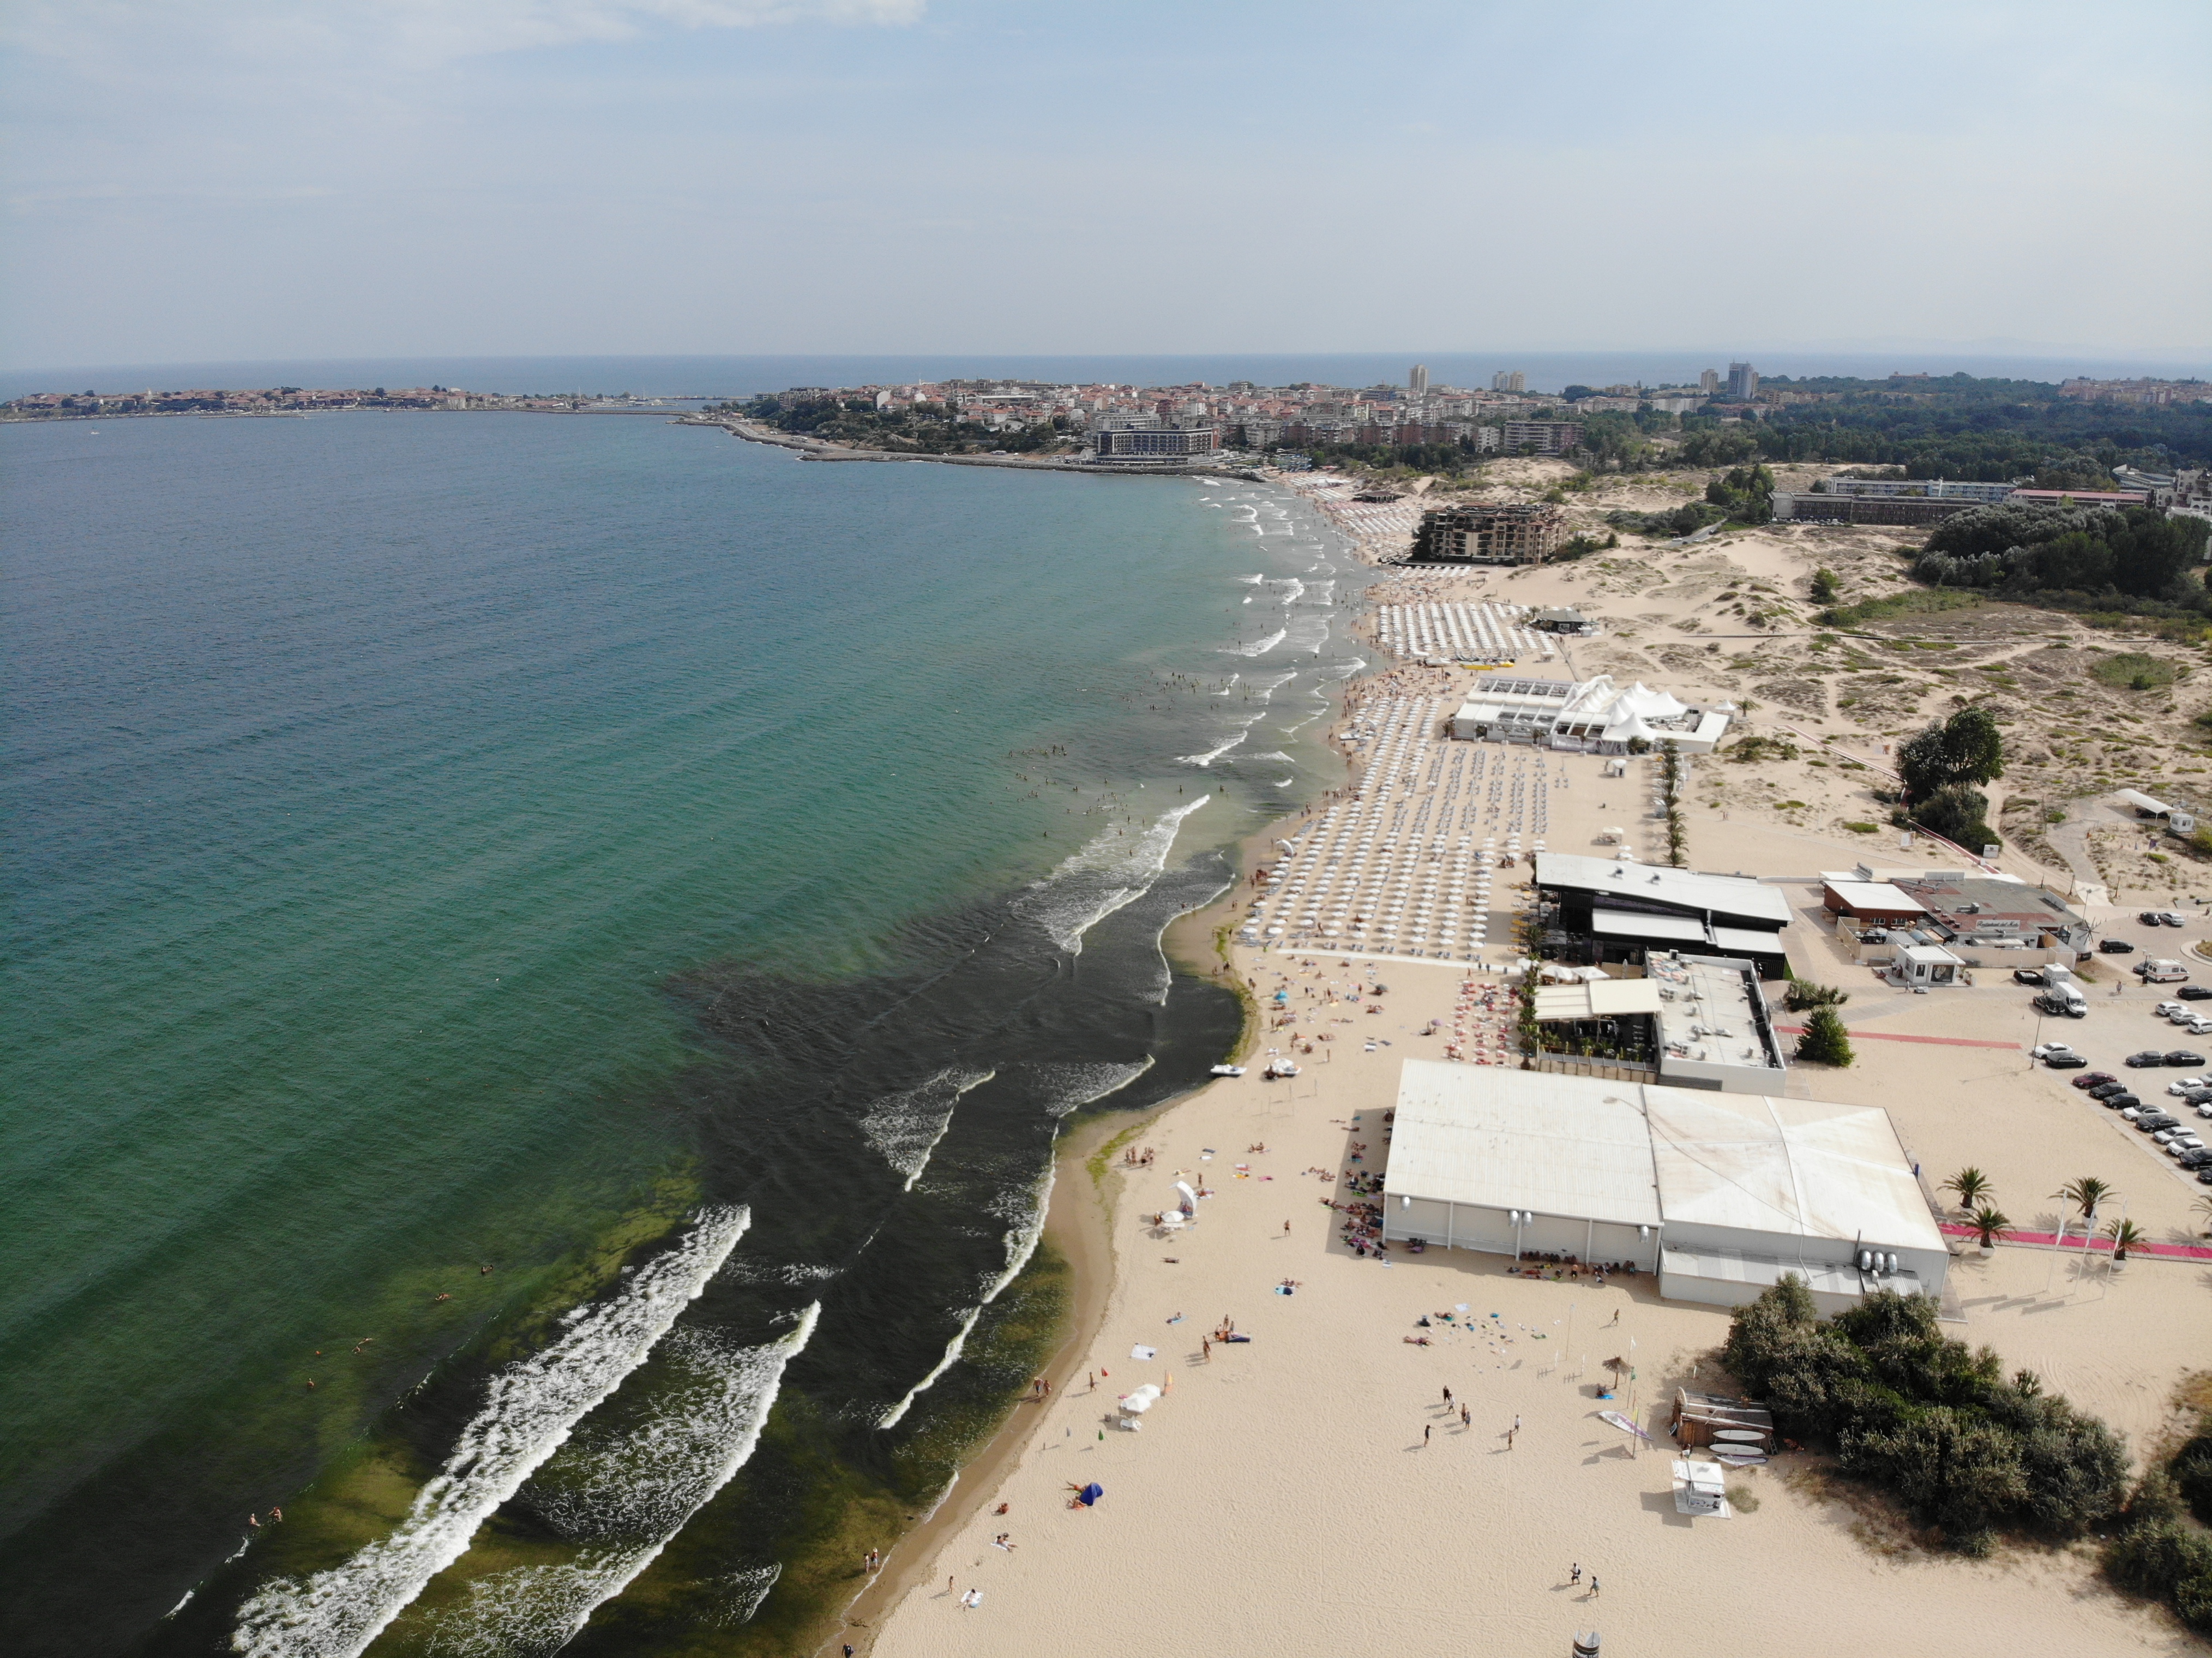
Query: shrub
pixel 1803 994
pixel 1747 751
pixel 1864 829
pixel 1925 1418
pixel 1825 1041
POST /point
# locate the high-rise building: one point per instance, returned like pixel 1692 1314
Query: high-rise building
pixel 1509 379
pixel 1709 382
pixel 1418 381
pixel 1743 381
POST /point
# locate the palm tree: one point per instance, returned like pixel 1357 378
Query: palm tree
pixel 1972 1186
pixel 2205 1208
pixel 2088 1195
pixel 1989 1223
pixel 2124 1234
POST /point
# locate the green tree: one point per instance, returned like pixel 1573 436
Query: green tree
pixel 1967 748
pixel 1959 814
pixel 1825 1041
pixel 2125 1235
pixel 1747 493
pixel 1825 590
pixel 1971 1185
pixel 2088 1194
pixel 1990 1223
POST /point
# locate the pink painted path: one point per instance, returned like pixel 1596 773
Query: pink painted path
pixel 1900 1036
pixel 2097 1245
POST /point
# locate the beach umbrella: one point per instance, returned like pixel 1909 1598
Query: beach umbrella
pixel 1090 1493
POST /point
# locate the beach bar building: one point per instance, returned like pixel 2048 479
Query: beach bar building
pixel 1607 910
pixel 1717 1193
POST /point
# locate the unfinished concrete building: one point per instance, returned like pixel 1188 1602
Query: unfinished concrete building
pixel 1490 532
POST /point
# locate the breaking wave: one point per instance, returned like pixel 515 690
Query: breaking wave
pixel 907 1126
pixel 532 1407
pixel 1112 871
pixel 1075 1086
pixel 642 1487
pixel 1024 1208
pixel 1258 646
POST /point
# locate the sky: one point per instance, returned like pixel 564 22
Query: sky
pixel 189 180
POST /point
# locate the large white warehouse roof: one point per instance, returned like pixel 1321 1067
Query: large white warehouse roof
pixel 1644 1155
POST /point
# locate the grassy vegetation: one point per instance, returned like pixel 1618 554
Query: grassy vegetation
pixel 2135 670
pixel 1918 601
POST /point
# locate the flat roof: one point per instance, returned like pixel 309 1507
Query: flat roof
pixel 1598 999
pixel 1642 1154
pixel 1803 1168
pixel 1738 896
pixel 1876 895
pixel 1635 924
pixel 1516 1139
pixel 1710 1017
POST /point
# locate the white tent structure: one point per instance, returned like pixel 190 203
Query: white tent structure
pixel 1592 715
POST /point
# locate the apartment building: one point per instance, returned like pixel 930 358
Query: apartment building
pixel 1490 532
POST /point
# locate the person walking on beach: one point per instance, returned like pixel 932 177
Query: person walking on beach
pixel 1466 1417
pixel 1574 1574
pixel 1425 1430
pixel 1593 1586
pixel 1510 1432
pixel 1448 1398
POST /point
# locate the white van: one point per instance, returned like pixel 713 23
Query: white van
pixel 2064 999
pixel 2162 972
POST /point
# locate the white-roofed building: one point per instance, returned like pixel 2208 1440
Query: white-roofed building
pixel 1592 716
pixel 1615 911
pixel 1718 1194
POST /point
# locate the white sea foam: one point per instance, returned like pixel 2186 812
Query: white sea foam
pixel 1112 871
pixel 907 1126
pixel 1073 1086
pixel 1284 782
pixel 644 1486
pixel 1257 647
pixel 1231 686
pixel 1222 747
pixel 1025 1209
pixel 1308 633
pixel 1254 579
pixel 1294 590
pixel 1321 592
pixel 531 1408
pixel 1272 754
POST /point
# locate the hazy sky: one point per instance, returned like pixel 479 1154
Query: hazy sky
pixel 192 180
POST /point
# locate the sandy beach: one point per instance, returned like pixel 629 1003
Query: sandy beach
pixel 1309 1490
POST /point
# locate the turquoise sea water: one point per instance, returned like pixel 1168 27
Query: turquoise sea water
pixel 433 840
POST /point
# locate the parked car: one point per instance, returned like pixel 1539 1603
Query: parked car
pixel 2180 1145
pixel 2106 1088
pixel 2150 1121
pixel 2116 947
pixel 2167 1009
pixel 2196 1159
pixel 2185 1086
pixel 2172 918
pixel 2195 992
pixel 2122 1103
pixel 2148 917
pixel 2094 1080
pixel 2205 1175
pixel 2183 1056
pixel 2027 976
pixel 2044 1050
pixel 2143 1060
pixel 2064 1061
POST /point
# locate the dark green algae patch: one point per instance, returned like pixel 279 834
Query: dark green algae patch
pixel 817 1494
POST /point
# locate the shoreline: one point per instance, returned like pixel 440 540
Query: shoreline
pixel 1080 1216
pixel 815 449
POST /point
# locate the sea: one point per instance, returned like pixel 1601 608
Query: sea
pixel 548 957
